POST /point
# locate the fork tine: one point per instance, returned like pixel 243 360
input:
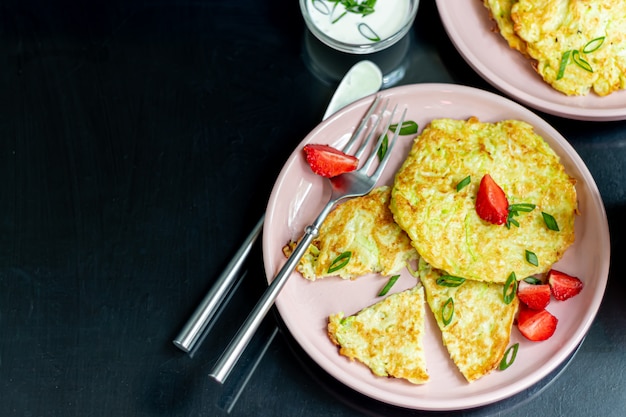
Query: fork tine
pixel 383 163
pixel 372 132
pixel 366 166
pixel 364 121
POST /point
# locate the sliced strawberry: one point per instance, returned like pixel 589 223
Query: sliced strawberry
pixel 328 161
pixel 491 203
pixel 524 313
pixel 563 286
pixel 535 325
pixel 536 297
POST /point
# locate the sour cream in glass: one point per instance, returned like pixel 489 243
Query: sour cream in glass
pixel 335 21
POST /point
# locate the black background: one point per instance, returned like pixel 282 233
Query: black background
pixel 139 141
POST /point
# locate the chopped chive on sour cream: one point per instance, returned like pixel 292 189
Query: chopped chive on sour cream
pixel 359 21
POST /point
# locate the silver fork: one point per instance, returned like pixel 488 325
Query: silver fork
pixel 352 184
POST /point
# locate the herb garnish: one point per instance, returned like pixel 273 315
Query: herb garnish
pixel 463 183
pixel 531 258
pixel 368 32
pixel 550 221
pixel 388 286
pixel 447 311
pixel 510 288
pixel 340 261
pixel 353 6
pixel 533 280
pixel 509 357
pixel 514 210
pixel 363 7
pixel 407 128
pixel 450 281
pixel 591 46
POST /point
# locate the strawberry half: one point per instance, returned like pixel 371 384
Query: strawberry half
pixel 536 297
pixel 536 325
pixel 491 202
pixel 563 286
pixel 328 161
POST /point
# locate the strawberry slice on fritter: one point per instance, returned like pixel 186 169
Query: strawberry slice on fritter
pixel 536 297
pixel 491 203
pixel 563 286
pixel 536 325
pixel 329 162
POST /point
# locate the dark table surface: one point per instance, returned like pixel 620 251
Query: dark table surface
pixel 139 141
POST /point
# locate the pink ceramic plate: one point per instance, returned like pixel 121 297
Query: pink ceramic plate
pixel 470 29
pixel 298 195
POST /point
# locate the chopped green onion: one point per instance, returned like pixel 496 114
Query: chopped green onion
pixel 447 311
pixel 514 210
pixel 532 258
pixel 509 357
pixel 354 6
pixel 510 288
pixel 511 221
pixel 450 281
pixel 340 16
pixel 408 128
pixel 564 62
pixel 523 207
pixel 388 286
pixel 368 32
pixel 339 262
pixel 533 280
pixel 578 60
pixel 383 147
pixel 550 221
pixel 321 7
pixel 463 183
pixel 593 45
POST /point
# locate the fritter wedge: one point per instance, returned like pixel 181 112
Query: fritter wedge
pixel 363 227
pixel 479 328
pixel 386 337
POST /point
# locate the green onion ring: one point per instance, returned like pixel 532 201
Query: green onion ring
pixel 593 45
pixel 448 308
pixel 368 32
pixel 510 288
pixel 450 281
pixel 512 352
pixel 339 262
pixel 581 62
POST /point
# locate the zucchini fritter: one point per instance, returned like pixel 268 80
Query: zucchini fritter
pixel 576 46
pixel 387 336
pixel 500 12
pixel 478 333
pixel 365 227
pixel 442 222
pixel 553 27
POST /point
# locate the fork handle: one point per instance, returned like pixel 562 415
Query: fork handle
pixel 235 348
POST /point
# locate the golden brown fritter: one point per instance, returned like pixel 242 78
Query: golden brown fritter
pixel 442 222
pixel 386 337
pixel 364 227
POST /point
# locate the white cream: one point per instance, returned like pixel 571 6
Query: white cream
pixel 388 17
